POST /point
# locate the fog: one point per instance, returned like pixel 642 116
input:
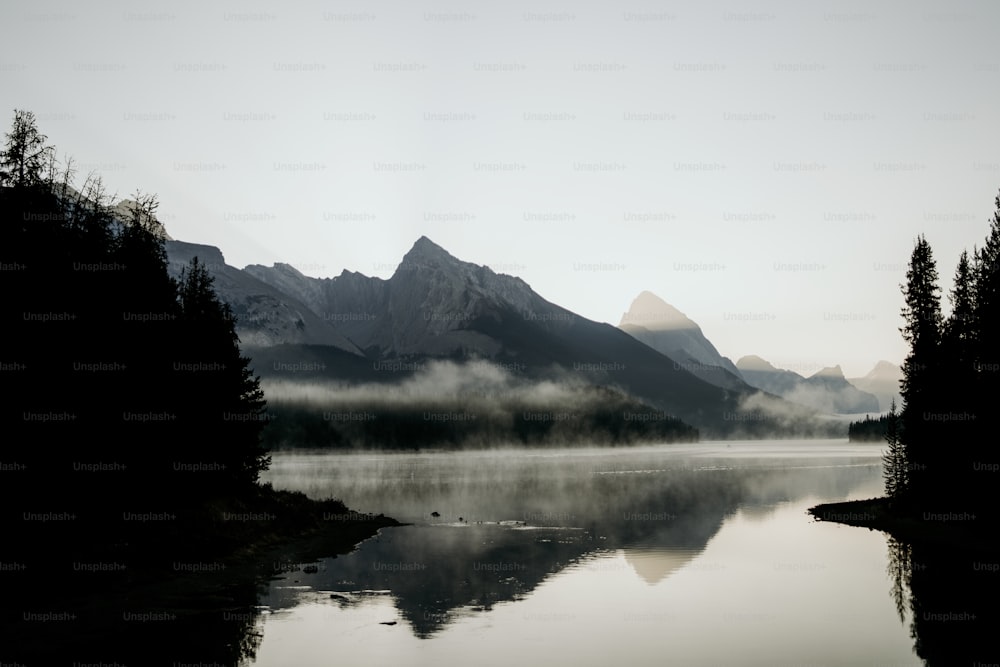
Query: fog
pixel 579 486
pixel 539 513
pixel 823 399
pixel 449 404
pixel 764 415
pixel 479 382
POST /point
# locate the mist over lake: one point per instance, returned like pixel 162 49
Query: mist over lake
pixel 685 554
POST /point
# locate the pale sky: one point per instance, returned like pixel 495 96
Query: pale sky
pixel 764 167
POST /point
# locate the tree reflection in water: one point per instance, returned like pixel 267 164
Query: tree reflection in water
pixel 950 594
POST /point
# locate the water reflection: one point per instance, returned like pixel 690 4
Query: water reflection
pixel 507 522
pixel 433 573
pixel 657 552
pixel 948 595
pixel 654 564
pixel 64 611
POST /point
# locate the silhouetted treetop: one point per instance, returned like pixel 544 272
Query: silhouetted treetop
pixel 25 156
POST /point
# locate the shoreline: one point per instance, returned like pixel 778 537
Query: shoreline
pixel 878 514
pixel 191 590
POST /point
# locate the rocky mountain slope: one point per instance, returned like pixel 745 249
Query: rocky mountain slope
pixel 265 316
pixel 359 329
pixel 667 330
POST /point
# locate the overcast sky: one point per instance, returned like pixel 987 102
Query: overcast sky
pixel 763 167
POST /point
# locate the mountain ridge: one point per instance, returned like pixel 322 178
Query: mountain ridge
pixel 882 381
pixel 437 307
pixel 667 330
pixel 265 316
pixel 826 390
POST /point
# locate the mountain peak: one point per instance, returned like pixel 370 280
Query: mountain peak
pixel 882 381
pixel 884 368
pixel 181 253
pixel 752 362
pixel 652 312
pixel 673 334
pixel 830 372
pixel 125 211
pixel 288 269
pixel 427 255
pixel 425 247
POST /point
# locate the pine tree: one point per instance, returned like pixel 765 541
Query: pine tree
pixel 894 467
pixel 25 157
pixel 139 245
pixel 921 385
pixel 959 347
pixel 986 300
pixel 986 358
pixel 229 405
pixel 960 326
pixel 899 567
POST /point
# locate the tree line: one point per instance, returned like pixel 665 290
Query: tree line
pixel 869 429
pixel 127 392
pixel 940 458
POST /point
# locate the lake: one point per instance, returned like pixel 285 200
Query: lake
pixel 699 554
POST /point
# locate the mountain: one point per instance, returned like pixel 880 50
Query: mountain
pixel 265 316
pixel 827 390
pixel 437 307
pixel 371 336
pixel 667 330
pixel 125 211
pixel 829 387
pixel 762 374
pixel 882 381
pixel 434 304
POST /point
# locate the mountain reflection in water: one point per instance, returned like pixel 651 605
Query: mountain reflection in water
pixel 510 520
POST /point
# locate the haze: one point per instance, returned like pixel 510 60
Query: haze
pixel 765 169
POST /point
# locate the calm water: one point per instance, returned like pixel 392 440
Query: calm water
pixel 673 555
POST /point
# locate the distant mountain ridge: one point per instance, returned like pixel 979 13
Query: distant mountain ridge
pixel 437 306
pixel 882 381
pixel 424 308
pixel 357 328
pixel 826 390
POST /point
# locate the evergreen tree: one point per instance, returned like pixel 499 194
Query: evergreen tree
pixel 986 356
pixel 900 570
pixel 959 347
pixel 920 386
pixel 986 301
pixel 987 289
pixel 142 309
pixel 25 156
pixel 140 253
pixel 228 406
pixel 869 429
pixel 959 329
pixel 894 467
pixel 97 327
